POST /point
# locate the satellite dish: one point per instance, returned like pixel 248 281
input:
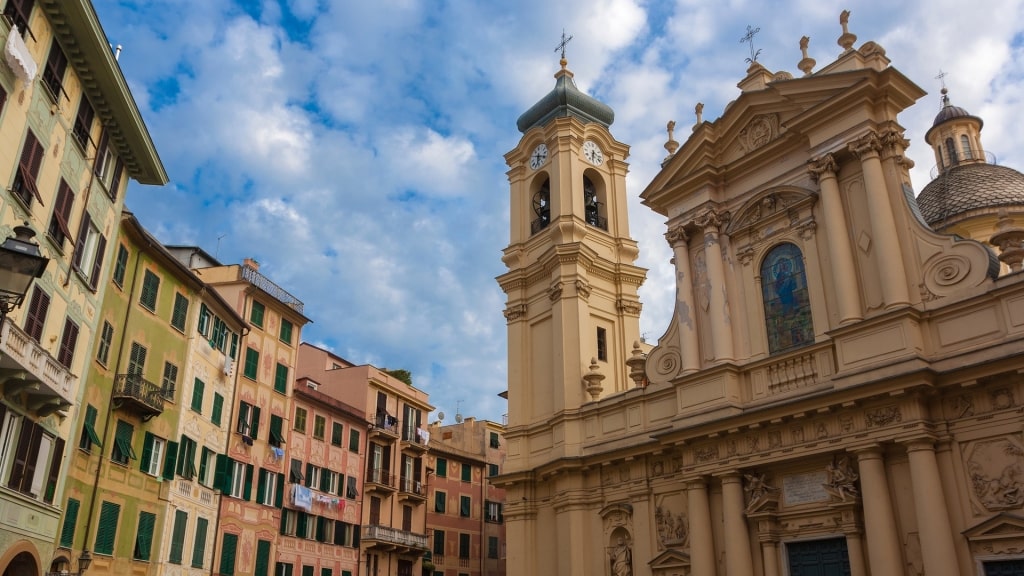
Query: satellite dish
pixel 440 416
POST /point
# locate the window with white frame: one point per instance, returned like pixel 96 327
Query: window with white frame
pixel 156 455
pixel 237 479
pixel 269 488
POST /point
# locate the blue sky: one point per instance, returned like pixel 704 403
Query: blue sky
pixel 355 149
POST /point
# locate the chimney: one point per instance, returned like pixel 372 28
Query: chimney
pixel 251 263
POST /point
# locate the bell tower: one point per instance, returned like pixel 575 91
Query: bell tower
pixel 572 309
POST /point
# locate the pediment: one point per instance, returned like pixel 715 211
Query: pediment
pixel 769 205
pixel 1000 526
pixel 671 558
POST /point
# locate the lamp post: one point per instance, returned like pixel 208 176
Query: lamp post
pixel 20 264
pixel 84 561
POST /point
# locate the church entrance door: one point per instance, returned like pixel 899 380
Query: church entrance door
pixel 818 558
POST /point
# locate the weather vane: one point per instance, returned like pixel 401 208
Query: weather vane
pixel 561 45
pixel 748 38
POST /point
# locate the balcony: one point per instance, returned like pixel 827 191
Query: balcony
pixel 409 489
pixel 260 281
pixel 385 426
pixel 379 480
pixel 25 366
pixel 414 440
pixel 388 539
pixel 135 393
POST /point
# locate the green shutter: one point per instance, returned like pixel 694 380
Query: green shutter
pixel 300 525
pixel 254 416
pixel 247 491
pixel 147 452
pixel 252 363
pixel 262 558
pixel 353 440
pixel 170 460
pixel 218 407
pixel 178 537
pixel 279 496
pixel 197 395
pixel 464 506
pixel 276 424
pixel 202 464
pixel 439 502
pixel 144 536
pixel 227 554
pixel 90 428
pixel 442 468
pixel 106 531
pixel 281 379
pixel 355 536
pixel 199 546
pixel 467 473
pixel 261 485
pixel 67 531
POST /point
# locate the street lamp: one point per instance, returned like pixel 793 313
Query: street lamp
pixel 20 264
pixel 84 561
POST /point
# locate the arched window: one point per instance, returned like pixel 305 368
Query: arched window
pixel 541 207
pixel 951 149
pixel 591 206
pixel 787 309
pixel 965 146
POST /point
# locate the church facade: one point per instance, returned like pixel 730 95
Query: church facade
pixel 840 388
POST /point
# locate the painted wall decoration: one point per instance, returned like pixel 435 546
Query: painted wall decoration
pixel 787 308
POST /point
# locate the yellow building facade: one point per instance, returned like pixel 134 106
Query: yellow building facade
pixel 71 137
pixel 839 388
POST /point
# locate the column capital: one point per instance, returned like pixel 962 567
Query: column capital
pixel 677 236
pixel 711 219
pixel 868 452
pixel 823 167
pixel 698 483
pixel 919 443
pixel 866 146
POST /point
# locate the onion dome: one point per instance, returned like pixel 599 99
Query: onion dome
pixel 566 100
pixel 970 189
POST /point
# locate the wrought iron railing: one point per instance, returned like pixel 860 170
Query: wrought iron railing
pixel 386 422
pixel 137 388
pixel 380 476
pixel 260 281
pixel 410 486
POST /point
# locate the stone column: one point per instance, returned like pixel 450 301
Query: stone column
pixel 770 556
pixel 885 241
pixel 702 545
pixel 718 303
pixel 879 520
pixel 738 561
pixel 840 251
pixel 937 544
pixel 855 550
pixel 685 308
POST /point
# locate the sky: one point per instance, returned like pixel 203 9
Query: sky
pixel 355 149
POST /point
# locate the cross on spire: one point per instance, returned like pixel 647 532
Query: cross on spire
pixel 942 78
pixel 748 38
pixel 561 45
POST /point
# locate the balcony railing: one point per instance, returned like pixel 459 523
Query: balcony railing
pixel 395 537
pixel 413 487
pixel 380 477
pixel 414 437
pixel 135 392
pixel 384 423
pixel 18 351
pixel 260 281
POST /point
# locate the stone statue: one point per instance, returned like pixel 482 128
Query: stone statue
pixel 841 480
pixel 804 43
pixel 757 489
pixel 699 111
pixel 844 20
pixel 621 558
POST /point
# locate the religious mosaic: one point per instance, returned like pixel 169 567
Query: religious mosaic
pixel 787 308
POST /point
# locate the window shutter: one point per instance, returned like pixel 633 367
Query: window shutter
pixel 218 408
pixel 83 231
pixel 262 558
pixel 199 546
pixel 62 212
pixel 279 496
pixel 309 475
pixel 222 473
pixel 178 537
pixel 54 475
pixel 247 492
pixel 36 317
pixel 68 341
pixel 101 151
pixel 97 262
pixel 254 416
pixel 19 469
pixel 67 531
pixel 227 555
pixel 300 525
pixel 107 529
pixel 144 536
pixel 261 485
pixel 203 459
pixel 115 182
pixel 197 395
pixel 170 460
pixel 147 452
pixel 355 536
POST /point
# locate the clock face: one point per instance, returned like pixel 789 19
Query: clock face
pixel 592 152
pixel 539 156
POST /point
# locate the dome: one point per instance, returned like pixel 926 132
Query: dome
pixel 969 187
pixel 566 100
pixel 950 112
